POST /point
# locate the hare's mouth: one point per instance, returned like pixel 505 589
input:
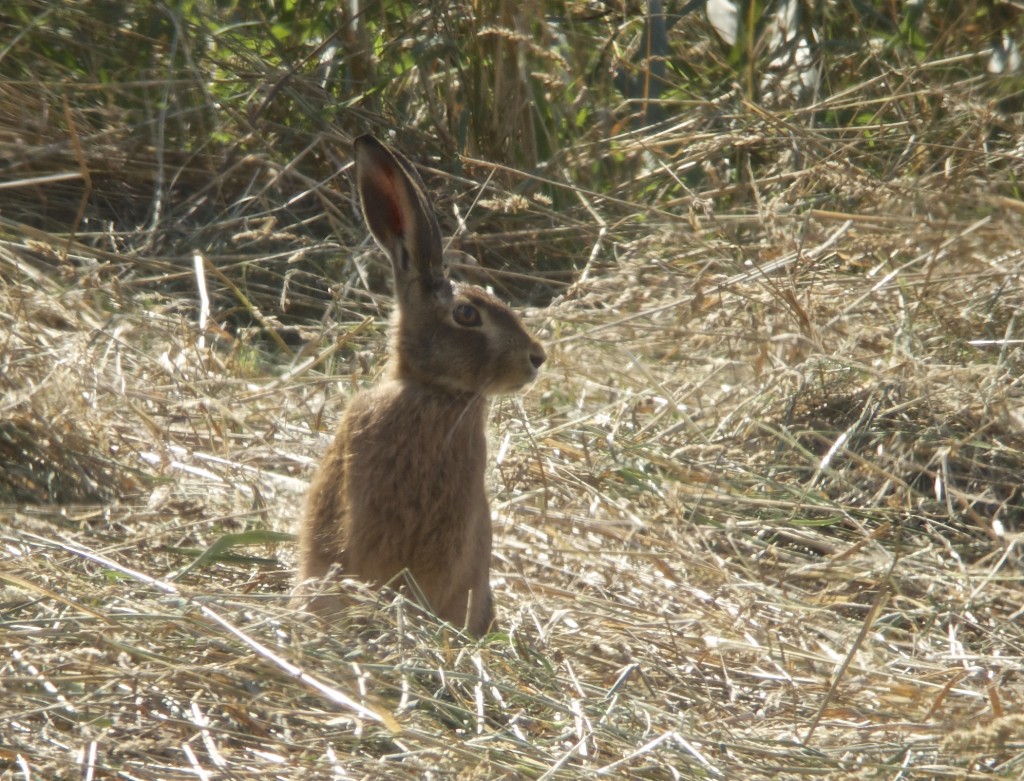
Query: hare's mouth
pixel 532 376
pixel 513 375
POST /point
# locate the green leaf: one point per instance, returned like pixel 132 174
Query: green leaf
pixel 217 551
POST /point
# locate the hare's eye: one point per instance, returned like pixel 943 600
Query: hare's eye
pixel 466 315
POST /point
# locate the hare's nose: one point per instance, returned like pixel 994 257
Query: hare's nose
pixel 537 358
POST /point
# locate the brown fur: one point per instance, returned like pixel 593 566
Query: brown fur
pixel 402 485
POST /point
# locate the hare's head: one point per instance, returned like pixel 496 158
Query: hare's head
pixel 446 333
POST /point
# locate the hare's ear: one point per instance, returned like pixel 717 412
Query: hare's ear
pixel 397 212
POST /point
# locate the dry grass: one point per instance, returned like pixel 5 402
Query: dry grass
pixel 759 518
pixel 749 524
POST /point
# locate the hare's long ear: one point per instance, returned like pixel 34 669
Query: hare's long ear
pixel 398 214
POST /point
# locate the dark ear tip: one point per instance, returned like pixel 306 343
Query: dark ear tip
pixel 367 140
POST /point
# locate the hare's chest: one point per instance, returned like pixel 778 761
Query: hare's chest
pixel 417 462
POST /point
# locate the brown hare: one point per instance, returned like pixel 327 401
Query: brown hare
pixel 402 485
